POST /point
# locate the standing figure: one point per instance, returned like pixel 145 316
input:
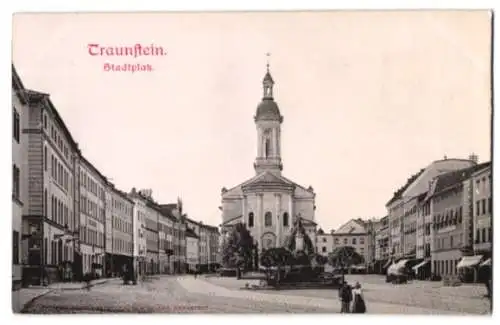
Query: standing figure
pixel 345 295
pixel 358 306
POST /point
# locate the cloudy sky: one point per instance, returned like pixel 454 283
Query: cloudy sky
pixel 368 98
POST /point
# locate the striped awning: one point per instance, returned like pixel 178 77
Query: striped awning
pixel 469 261
pixel 419 265
pixel 486 263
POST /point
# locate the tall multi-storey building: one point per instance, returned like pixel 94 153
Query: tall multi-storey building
pixel 92 186
pixel 382 247
pixel 482 211
pixel 166 225
pixel 48 222
pixel 402 207
pixel 139 237
pixel 450 233
pixel 192 250
pixel 19 175
pixel 213 247
pixel 119 231
pixel 178 237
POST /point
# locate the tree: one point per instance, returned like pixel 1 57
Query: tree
pixel 278 257
pixel 345 257
pixel 237 248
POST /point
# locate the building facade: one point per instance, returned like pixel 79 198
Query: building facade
pixel 92 187
pixel 192 250
pixel 482 211
pixel 324 242
pixel 139 225
pixel 353 233
pixel 268 203
pixel 20 167
pixel 402 208
pixel 120 231
pixel 48 213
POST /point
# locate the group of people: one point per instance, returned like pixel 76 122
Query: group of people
pixel 348 295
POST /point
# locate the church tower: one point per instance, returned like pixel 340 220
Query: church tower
pixel 268 121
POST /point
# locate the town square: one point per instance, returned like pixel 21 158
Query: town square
pixel 228 181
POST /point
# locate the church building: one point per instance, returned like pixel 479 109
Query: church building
pixel 268 203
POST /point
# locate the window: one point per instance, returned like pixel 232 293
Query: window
pixel 345 241
pixel 268 148
pixel 451 242
pixel 490 206
pixel 362 241
pixel 15 182
pixel 478 236
pixel 354 241
pixel 45 203
pixel 484 205
pixel 484 235
pixel 15 247
pixel 44 121
pixel 45 158
pixel 477 208
pixel 250 219
pixel 268 219
pixel 16 127
pixel 285 219
pixel 323 249
pixel 490 238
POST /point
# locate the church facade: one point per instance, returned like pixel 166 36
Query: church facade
pixel 268 203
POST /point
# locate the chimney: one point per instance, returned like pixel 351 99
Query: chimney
pixel 473 157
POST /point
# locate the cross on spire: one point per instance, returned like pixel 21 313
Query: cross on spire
pixel 268 55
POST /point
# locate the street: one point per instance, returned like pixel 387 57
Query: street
pixel 185 294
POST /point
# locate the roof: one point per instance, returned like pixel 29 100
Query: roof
pixel 267 178
pixel 450 179
pixel 398 194
pixel 120 193
pixel 35 97
pixel 93 168
pixel 352 227
pixel 268 110
pixel 18 86
pixel 166 210
pixel 190 233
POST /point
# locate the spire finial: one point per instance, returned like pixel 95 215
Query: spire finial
pixel 267 65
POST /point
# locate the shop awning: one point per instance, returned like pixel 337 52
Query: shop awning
pixel 419 265
pixel 469 261
pixel 486 263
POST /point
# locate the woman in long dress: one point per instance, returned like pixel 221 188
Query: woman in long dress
pixel 358 305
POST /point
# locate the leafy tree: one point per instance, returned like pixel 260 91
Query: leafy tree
pixel 237 248
pixel 344 257
pixel 278 257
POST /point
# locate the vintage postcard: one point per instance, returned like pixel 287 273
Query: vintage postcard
pixel 252 162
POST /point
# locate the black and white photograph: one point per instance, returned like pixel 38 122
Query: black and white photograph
pixel 334 161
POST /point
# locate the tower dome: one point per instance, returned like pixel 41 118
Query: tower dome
pixel 268 109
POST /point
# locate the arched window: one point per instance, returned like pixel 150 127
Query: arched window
pixel 268 147
pixel 268 219
pixel 285 219
pixel 250 219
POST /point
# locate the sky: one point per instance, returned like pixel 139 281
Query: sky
pixel 368 98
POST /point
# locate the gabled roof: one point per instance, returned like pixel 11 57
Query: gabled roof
pixel 353 226
pixel 166 210
pixel 267 178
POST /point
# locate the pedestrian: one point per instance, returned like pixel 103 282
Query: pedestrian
pixel 358 306
pixel 345 295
